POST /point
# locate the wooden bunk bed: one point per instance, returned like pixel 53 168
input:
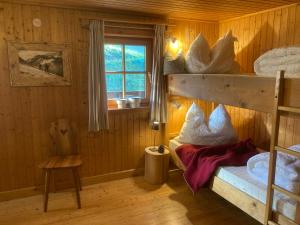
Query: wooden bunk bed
pixel 274 95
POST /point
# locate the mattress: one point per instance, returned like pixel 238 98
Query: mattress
pixel 240 179
pixel 173 144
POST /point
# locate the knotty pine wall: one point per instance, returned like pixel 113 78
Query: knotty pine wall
pixel 26 112
pixel 257 34
pixel 186 32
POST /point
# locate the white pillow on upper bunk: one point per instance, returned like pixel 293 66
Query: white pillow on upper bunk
pixel 174 65
pixel 222 56
pixel 219 129
pixel 198 56
pixel 220 59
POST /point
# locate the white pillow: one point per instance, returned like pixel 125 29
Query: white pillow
pixel 220 124
pixel 198 56
pixel 220 59
pixel 193 125
pixel 196 131
pixel 174 65
pixel 222 55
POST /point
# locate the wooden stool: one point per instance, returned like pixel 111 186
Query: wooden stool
pixel 66 157
pixel 156 166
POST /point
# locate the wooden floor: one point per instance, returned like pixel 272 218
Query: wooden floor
pixel 128 201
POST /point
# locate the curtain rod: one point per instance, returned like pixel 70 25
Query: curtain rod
pixel 129 20
pixel 118 25
pixel 130 26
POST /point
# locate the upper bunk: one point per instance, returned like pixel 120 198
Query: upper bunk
pixel 241 90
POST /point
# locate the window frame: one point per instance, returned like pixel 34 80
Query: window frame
pixel 147 42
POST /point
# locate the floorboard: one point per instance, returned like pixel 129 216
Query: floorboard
pixel 128 201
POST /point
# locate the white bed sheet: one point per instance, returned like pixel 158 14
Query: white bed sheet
pixel 240 179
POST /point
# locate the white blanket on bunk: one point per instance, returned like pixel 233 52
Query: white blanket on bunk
pixel 287 169
pixel 287 59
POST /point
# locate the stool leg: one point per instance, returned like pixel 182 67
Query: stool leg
pixel 47 184
pixel 77 186
pixel 79 180
pixel 53 181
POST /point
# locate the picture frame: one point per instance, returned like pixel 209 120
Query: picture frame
pixel 39 64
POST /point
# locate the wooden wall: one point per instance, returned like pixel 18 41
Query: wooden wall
pixel 257 34
pixel 186 32
pixel 26 112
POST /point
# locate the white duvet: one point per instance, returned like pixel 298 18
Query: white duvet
pixel 287 169
pixel 287 59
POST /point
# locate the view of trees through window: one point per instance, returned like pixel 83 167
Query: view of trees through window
pixel 125 68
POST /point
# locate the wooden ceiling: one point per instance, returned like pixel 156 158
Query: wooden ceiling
pixel 212 10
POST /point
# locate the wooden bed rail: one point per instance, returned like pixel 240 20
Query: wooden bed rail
pixel 240 90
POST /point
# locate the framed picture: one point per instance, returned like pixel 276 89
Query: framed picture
pixel 39 64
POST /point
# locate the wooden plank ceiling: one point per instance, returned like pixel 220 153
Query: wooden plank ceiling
pixel 212 10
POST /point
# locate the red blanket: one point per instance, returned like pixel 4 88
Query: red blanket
pixel 202 161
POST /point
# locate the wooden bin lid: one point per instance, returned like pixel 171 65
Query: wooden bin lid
pixel 148 151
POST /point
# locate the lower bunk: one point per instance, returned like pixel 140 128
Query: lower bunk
pixel 236 186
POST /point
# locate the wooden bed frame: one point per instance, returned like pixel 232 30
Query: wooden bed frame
pixel 240 90
pixel 251 92
pixel 242 200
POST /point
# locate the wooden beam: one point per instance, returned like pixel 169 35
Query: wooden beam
pixel 291 195
pixel 287 151
pixel 243 90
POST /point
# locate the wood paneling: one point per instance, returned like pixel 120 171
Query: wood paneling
pixel 192 9
pixel 185 32
pixel 257 34
pixel 26 112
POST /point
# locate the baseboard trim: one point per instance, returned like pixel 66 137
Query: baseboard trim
pixel 112 176
pixel 35 190
pixel 18 193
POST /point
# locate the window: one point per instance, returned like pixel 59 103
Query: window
pixel 127 63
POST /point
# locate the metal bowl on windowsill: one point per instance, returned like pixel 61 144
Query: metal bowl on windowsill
pixel 135 102
pixel 122 103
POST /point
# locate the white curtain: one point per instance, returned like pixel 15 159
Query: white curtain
pixel 158 101
pixel 98 112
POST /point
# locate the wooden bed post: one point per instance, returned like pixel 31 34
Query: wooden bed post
pixel 274 140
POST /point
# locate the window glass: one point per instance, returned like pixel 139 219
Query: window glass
pixel 114 85
pixel 125 68
pixel 135 85
pixel 113 57
pixel 135 58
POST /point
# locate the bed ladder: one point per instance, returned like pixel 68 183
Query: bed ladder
pixel 274 148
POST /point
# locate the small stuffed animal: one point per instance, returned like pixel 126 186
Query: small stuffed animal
pixel 161 149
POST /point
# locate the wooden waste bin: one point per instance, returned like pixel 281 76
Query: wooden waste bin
pixel 156 165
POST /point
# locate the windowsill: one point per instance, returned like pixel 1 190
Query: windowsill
pixel 112 109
